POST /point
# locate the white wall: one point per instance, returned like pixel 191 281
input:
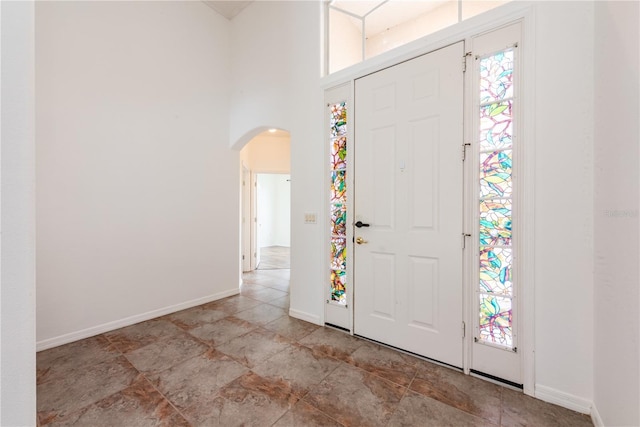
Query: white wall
pixel 274 207
pixel 276 64
pixel 17 310
pixel 133 164
pixel 616 209
pixel 564 198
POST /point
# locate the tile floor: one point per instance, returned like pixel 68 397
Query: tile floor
pixel 242 361
pixel 274 258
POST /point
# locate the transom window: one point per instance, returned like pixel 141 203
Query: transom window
pixel 361 29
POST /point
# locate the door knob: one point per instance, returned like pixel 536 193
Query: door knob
pixel 360 240
pixel 360 224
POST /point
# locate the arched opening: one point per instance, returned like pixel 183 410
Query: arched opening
pixel 265 201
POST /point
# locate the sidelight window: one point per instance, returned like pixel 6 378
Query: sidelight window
pixel 495 291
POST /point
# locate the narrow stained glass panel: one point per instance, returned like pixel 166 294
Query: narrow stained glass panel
pixel 338 286
pixel 496 77
pixel 338 200
pixel 339 153
pixel 338 119
pixel 496 126
pixel 495 222
pixel 495 320
pixel 338 220
pixel 495 174
pixel 338 187
pixel 495 271
pixel 338 253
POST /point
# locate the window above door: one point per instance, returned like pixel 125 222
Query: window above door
pixel 361 29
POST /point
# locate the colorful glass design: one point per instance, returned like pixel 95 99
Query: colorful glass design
pixel 338 286
pixel 495 174
pixel 338 220
pixel 338 187
pixel 495 211
pixel 495 270
pixel 495 222
pixel 338 253
pixel 338 201
pixel 496 320
pixel 338 119
pixel 339 153
pixel 496 77
pixel 496 126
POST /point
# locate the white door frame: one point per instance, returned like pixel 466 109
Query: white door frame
pixel 465 31
pixel 246 218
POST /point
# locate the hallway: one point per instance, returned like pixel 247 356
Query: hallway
pixel 243 361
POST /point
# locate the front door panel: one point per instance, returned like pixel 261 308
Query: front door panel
pixel 408 188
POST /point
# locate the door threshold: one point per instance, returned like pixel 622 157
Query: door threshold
pixel 496 380
pixel 340 328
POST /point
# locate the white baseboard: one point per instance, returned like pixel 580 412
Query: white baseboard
pixel 595 417
pixel 307 317
pixel 128 321
pixel 563 399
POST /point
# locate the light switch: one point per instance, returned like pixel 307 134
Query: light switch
pixel 309 218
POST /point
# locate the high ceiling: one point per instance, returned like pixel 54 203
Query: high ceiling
pixel 228 9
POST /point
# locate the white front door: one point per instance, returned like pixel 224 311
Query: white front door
pixel 408 183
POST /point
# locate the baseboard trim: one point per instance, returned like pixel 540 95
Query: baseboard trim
pixel 563 399
pixel 595 417
pixel 307 317
pixel 128 321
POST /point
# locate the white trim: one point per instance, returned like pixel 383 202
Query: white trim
pixel 595 417
pixel 563 399
pixel 307 317
pixel 526 245
pixel 128 321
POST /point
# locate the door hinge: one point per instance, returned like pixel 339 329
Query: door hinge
pixel 464 150
pixel 464 61
pixel 243 257
pixel 464 239
pixel 464 330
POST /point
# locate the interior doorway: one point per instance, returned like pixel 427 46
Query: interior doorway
pixel 266 201
pixel 274 221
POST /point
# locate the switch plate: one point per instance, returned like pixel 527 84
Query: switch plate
pixel 309 218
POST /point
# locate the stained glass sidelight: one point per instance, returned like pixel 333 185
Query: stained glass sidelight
pixel 338 201
pixel 495 209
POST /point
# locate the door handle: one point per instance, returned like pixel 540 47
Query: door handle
pixel 361 224
pixel 360 240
